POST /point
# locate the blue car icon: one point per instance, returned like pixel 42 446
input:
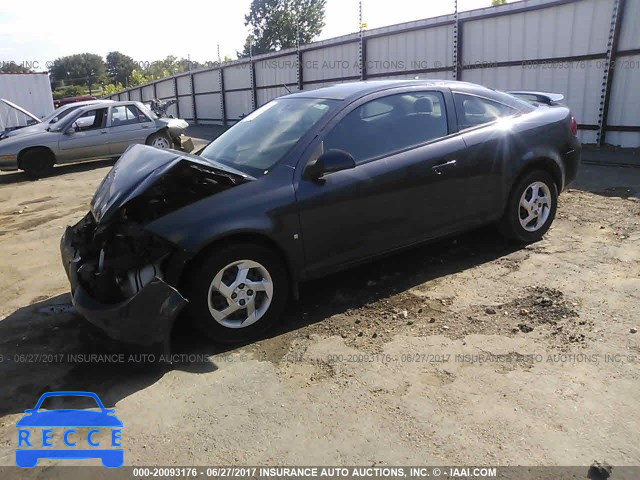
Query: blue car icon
pixel 28 456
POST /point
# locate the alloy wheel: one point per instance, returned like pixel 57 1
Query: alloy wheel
pixel 535 206
pixel 160 142
pixel 240 294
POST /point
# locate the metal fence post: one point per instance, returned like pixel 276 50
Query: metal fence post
pixel 254 92
pixel 457 44
pixel 363 46
pixel 300 71
pixel 175 91
pixel 193 99
pixel 607 79
pixel 223 106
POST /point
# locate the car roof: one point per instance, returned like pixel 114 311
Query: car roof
pixel 112 103
pixel 353 90
pixel 84 103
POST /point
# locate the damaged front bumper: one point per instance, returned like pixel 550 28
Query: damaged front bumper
pixel 143 316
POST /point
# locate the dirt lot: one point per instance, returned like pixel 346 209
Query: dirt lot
pixel 467 351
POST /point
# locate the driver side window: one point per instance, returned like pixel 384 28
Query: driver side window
pixel 91 120
pixel 389 125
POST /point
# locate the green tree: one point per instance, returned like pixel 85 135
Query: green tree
pixel 495 3
pixel 119 67
pixel 79 69
pixel 167 67
pixel 137 78
pixel 111 88
pixel 276 24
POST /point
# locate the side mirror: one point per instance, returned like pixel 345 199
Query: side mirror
pixel 70 131
pixel 329 162
pixel 54 120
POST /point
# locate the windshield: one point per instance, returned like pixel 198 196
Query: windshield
pixel 263 138
pixel 61 112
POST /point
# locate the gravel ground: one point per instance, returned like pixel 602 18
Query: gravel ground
pixel 466 351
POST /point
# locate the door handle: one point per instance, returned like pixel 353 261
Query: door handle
pixel 145 126
pixel 103 132
pixel 438 168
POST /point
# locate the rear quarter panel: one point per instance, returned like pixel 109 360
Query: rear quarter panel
pixel 541 134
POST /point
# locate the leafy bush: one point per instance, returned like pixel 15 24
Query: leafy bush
pixel 68 91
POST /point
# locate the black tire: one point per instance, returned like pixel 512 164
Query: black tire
pixel 510 224
pixel 159 135
pixel 37 162
pixel 200 280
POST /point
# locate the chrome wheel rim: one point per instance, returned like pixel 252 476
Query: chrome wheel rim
pixel 240 294
pixel 160 142
pixel 535 206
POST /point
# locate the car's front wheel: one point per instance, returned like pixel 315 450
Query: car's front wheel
pixel 531 208
pixel 159 140
pixel 237 292
pixel 37 162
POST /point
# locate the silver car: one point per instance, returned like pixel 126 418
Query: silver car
pixel 35 124
pixel 90 132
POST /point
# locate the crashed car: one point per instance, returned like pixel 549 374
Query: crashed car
pixel 309 184
pixel 37 125
pixel 94 131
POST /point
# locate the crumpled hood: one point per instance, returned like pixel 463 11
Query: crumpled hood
pixel 142 167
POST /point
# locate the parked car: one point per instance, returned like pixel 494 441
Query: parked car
pixel 309 184
pixel 90 132
pixel 36 124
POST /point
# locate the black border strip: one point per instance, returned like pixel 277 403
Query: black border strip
pixel 533 62
pixel 623 128
pixel 628 53
pixel 411 72
pixel 334 79
pixel 610 128
pixel 212 92
pixel 231 90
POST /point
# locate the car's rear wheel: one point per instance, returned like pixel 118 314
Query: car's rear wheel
pixel 159 140
pixel 237 292
pixel 37 162
pixel 531 208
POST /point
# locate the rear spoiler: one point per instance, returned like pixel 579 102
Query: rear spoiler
pixel 540 97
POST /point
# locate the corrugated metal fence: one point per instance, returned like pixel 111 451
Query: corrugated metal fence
pixel 589 50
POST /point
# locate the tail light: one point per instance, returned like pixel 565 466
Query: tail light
pixel 574 126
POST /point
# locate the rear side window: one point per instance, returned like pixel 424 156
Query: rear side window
pixel 472 111
pixel 389 124
pixel 126 115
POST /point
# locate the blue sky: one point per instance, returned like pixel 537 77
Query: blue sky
pixel 41 31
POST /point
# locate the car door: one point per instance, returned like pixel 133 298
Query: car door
pixel 85 137
pixel 484 127
pixel 393 195
pixel 128 125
